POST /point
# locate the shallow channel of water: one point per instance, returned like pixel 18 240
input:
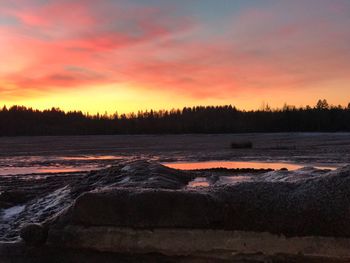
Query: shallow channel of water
pixel 54 164
pixel 67 164
pixel 239 165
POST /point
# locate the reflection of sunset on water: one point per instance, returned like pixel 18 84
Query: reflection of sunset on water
pixel 237 165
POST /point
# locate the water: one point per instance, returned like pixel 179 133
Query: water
pixel 239 165
pixel 43 170
pixel 231 180
pixel 54 164
pixel 91 157
pixel 222 180
pixel 82 163
pixel 199 182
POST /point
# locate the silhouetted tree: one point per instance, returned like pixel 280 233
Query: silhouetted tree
pixel 322 105
pixel 19 120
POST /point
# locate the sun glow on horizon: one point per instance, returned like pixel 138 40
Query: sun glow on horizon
pixel 109 99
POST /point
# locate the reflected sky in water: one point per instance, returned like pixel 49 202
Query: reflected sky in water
pixel 239 165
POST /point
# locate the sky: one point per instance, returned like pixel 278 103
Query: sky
pixel 130 55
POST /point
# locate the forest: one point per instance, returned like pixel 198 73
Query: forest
pixel 23 121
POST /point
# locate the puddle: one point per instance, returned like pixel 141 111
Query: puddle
pixel 231 180
pixel 222 180
pixel 43 170
pixel 82 163
pixel 238 165
pixel 91 157
pixel 199 182
pixel 54 164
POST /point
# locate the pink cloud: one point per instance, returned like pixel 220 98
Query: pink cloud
pixel 54 37
pixel 285 46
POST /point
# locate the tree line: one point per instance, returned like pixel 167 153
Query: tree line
pixel 20 121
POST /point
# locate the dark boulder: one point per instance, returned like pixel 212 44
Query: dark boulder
pixel 147 208
pixel 34 234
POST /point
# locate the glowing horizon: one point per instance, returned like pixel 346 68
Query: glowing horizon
pixel 125 56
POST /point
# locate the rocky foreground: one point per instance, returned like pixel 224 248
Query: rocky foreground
pixel 142 211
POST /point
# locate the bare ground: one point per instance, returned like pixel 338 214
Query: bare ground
pixel 307 148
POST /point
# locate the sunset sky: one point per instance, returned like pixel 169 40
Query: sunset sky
pixel 129 55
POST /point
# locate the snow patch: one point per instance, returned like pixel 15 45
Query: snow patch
pixel 12 212
pixel 55 198
pixel 126 168
pixel 304 173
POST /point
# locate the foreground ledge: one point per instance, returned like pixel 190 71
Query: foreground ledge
pixel 198 243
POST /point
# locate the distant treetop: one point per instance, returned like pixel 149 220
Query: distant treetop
pixel 19 120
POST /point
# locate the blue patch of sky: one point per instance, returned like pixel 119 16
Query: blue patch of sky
pixel 8 21
pixel 212 16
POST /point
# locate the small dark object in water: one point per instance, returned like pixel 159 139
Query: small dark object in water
pixel 242 145
pixel 34 234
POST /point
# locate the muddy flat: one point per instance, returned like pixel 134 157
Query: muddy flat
pixel 300 148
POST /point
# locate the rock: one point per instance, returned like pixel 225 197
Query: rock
pixel 133 207
pixel 33 234
pixel 52 194
pixel 146 208
pixel 317 206
pixel 209 244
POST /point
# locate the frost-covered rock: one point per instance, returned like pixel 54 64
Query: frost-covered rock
pixel 33 234
pixel 38 201
pixel 317 205
pixel 134 205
